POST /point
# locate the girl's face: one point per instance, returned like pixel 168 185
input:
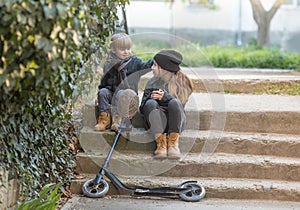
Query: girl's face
pixel 156 69
pixel 122 53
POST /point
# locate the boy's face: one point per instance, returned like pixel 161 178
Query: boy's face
pixel 122 53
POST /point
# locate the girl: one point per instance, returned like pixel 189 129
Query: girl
pixel 121 71
pixel 163 103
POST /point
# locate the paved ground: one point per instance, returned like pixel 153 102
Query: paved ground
pixel 125 203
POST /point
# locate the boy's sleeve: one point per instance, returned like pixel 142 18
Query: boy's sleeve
pixel 148 64
pixel 144 67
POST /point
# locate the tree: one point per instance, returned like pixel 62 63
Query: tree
pixel 263 20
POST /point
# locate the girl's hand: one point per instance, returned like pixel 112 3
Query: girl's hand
pixel 157 94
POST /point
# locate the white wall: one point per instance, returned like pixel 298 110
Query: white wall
pixel 160 14
pixel 191 16
pixel 201 24
pixel 149 14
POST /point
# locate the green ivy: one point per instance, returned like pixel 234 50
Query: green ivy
pixel 46 48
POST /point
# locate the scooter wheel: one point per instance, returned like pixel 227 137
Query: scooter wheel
pixel 91 190
pixel 194 193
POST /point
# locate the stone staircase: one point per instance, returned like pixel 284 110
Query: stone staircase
pixel 239 146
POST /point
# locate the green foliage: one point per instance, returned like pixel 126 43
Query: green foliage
pixel 44 49
pixel 253 43
pixel 251 56
pixel 47 199
pixel 144 48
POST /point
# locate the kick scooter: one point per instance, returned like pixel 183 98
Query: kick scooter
pixel 98 187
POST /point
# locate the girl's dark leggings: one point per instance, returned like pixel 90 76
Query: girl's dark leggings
pixel 164 119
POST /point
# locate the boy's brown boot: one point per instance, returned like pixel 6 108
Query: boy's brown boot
pixel 116 121
pixel 161 144
pixel 173 146
pixel 103 121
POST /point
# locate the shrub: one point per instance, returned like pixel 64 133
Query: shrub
pixel 250 56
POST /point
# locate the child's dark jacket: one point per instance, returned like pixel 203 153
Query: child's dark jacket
pixel 113 75
pixel 156 83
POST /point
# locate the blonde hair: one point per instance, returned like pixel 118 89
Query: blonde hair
pixel 179 85
pixel 120 41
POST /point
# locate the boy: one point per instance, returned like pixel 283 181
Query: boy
pixel 121 70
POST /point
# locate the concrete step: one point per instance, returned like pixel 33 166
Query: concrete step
pixel 232 113
pixel 228 80
pixel 238 146
pixel 223 188
pixel 193 141
pixel 196 165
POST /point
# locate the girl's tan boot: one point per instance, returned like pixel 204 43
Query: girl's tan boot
pixel 161 144
pixel 173 146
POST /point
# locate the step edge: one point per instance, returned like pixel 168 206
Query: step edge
pixel 203 133
pixel 192 158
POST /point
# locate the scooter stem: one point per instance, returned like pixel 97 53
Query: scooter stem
pixel 100 175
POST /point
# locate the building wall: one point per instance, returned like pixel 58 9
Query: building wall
pixel 230 23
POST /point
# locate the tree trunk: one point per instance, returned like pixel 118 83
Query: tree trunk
pixel 263 37
pixel 125 20
pixel 263 20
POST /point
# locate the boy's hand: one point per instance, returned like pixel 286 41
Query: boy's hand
pixel 157 94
